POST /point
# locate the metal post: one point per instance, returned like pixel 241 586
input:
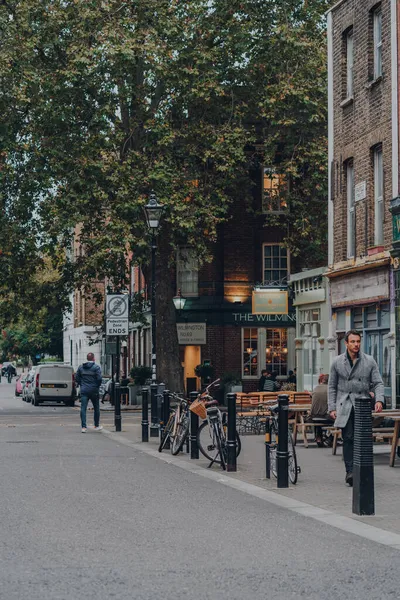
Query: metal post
pixel 117 407
pixel 363 459
pixel 231 441
pixel 145 415
pixel 165 415
pixel 267 449
pixel 194 427
pixel 154 427
pixel 282 454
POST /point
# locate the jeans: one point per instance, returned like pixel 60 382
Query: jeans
pixel 96 405
pixel 348 442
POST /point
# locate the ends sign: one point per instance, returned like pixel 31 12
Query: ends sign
pixel 117 314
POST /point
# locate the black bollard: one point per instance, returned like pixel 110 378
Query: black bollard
pixel 145 415
pixel 267 449
pixel 154 427
pixel 194 427
pixel 282 454
pixel 231 441
pixel 166 415
pixel 363 458
pixel 117 407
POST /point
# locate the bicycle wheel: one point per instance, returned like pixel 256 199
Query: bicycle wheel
pixel 238 441
pixel 181 433
pixel 293 472
pixel 207 442
pixel 272 460
pixel 167 432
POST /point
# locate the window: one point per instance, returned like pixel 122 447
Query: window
pixel 250 352
pixel 275 265
pixel 187 272
pixel 273 192
pixel 276 351
pixel 378 196
pixel 351 217
pixel 349 63
pixel 377 33
pixel 269 343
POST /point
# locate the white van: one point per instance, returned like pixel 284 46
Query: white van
pixel 54 383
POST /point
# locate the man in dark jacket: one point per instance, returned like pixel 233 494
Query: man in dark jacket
pixel 88 376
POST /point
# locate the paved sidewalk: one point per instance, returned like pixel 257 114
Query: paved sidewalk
pixel 320 483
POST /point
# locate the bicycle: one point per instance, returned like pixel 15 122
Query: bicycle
pixel 293 468
pixel 212 433
pixel 176 429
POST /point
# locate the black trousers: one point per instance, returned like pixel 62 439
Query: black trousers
pixel 348 442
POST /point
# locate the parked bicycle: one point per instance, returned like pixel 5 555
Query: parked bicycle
pixel 176 429
pixel 293 468
pixel 212 433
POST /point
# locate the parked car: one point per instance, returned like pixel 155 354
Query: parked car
pixel 28 387
pixel 54 382
pixel 19 385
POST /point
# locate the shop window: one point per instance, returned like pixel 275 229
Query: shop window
pixel 275 264
pixel 250 352
pixel 276 351
pixel 384 315
pixel 187 272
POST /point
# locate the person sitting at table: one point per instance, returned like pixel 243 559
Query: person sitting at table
pixel 270 385
pixel 262 379
pixel 319 407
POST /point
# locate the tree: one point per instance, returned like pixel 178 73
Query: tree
pixel 111 100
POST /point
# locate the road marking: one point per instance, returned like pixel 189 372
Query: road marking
pixel 347 524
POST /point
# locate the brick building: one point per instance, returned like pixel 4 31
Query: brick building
pixel 229 317
pixel 363 160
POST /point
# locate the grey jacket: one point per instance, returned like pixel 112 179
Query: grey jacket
pixel 346 383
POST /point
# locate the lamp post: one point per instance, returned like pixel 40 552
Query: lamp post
pixel 153 212
pixel 179 301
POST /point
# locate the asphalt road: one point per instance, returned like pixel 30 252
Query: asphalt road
pixel 83 516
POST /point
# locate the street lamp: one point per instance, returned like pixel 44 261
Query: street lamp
pixel 153 212
pixel 179 301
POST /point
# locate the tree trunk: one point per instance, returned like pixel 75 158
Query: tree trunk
pixel 169 370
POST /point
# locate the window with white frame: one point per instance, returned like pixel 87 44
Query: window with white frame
pixel 187 272
pixel 378 195
pixel 275 261
pixel 351 221
pixel 264 349
pixel 377 29
pixel 273 192
pixel 349 63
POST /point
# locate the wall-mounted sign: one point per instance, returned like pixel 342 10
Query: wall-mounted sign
pixel 267 302
pixel 360 191
pixel 191 333
pixel 117 314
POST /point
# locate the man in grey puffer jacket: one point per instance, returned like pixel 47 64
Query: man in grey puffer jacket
pixel 88 376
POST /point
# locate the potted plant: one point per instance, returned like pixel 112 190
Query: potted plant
pixel 139 375
pixel 231 382
pixel 206 372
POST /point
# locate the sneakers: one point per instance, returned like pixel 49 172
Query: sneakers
pixel 349 479
pixel 98 428
pixel 84 430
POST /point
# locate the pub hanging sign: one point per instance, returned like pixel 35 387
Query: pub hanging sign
pixel 267 302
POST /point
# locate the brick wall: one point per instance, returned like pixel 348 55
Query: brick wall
pixel 361 124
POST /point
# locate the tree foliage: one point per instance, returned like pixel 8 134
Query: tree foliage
pixel 105 101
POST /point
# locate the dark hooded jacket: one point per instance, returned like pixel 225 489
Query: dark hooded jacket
pixel 88 376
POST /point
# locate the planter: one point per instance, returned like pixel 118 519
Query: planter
pixel 375 250
pixel 135 395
